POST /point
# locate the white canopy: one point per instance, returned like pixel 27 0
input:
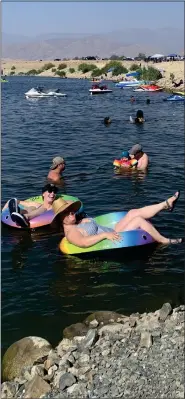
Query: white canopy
pixel 157 56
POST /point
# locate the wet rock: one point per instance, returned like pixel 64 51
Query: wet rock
pixel 23 353
pixel 36 387
pixel 66 380
pixel 146 339
pixel 74 330
pixel 165 311
pixel 9 389
pixel 102 317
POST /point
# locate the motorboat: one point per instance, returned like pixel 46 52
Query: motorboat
pixel 96 89
pixel 148 88
pixel 130 83
pixel 39 92
pixel 175 97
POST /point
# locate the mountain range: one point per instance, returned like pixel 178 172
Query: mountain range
pixel 128 42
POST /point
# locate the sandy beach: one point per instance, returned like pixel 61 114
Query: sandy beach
pixel 22 66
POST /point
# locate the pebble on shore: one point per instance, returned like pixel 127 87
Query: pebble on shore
pixel 136 356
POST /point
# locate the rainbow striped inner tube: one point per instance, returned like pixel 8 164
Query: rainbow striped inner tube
pixel 133 238
pixel 43 220
pixel 125 163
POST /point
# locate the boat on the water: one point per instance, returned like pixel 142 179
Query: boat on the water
pixel 96 89
pixel 148 88
pixel 175 97
pixel 4 80
pixel 41 93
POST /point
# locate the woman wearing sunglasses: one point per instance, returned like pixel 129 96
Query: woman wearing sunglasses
pixel 86 232
pixel 31 208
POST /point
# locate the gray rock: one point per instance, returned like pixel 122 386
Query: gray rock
pixel 66 380
pixel 9 389
pixel 146 339
pixel 83 359
pixel 165 311
pixel 66 345
pixel 89 340
pixel 103 317
pixel 23 353
pixel 78 329
pixel 77 390
pixel 110 329
pixel 93 323
pixel 36 387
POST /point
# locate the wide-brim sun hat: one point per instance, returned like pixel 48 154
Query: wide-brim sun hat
pixel 60 206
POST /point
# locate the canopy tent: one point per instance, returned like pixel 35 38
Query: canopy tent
pixel 134 73
pixel 157 56
pixel 172 55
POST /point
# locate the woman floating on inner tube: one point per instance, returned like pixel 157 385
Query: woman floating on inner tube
pixel 86 232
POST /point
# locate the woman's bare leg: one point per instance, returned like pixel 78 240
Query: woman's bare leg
pixel 147 212
pixel 140 223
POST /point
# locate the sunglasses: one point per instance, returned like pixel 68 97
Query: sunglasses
pixel 52 190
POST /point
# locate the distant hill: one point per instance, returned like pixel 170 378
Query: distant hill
pixel 128 42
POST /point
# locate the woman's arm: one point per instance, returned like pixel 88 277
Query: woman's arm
pixel 76 238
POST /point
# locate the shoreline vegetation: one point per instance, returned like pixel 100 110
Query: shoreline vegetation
pixel 107 355
pixel 163 73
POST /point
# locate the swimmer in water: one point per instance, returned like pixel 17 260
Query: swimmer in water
pixel 56 169
pixel 107 120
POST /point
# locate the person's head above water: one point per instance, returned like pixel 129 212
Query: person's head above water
pixel 139 116
pixel 148 101
pixel 107 120
pixel 136 150
pixel 125 154
pixel 49 192
pixel 66 210
pixel 58 162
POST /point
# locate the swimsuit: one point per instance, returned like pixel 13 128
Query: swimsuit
pixel 92 228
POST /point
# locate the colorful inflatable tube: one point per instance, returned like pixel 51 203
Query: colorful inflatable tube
pixel 43 220
pixel 125 163
pixel 134 238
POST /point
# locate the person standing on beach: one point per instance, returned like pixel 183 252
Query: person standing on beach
pixel 56 169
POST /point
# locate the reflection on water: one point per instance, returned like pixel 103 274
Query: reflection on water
pixel 43 290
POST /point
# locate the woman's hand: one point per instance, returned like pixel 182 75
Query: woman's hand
pixel 112 236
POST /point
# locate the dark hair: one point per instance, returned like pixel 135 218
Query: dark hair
pixel 148 101
pixel 139 114
pixel 49 187
pixel 107 120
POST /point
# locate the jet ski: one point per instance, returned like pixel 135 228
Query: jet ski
pixel 39 92
pixel 175 97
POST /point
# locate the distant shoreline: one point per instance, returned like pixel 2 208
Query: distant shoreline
pixel 71 70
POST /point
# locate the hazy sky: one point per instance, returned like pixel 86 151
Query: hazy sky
pixel 33 18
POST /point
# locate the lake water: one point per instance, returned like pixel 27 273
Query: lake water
pixel 44 291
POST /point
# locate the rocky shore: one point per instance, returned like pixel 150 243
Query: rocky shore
pixel 108 355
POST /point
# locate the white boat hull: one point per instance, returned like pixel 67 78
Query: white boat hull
pixel 35 94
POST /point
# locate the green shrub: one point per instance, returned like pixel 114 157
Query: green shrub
pixel 13 68
pixel 47 66
pixel 118 70
pixel 150 73
pixel 53 70
pixel 172 76
pixel 71 70
pixel 21 73
pixel 86 67
pixel 62 66
pixel 61 74
pixel 96 72
pixel 12 73
pixel 134 67
pixel 32 72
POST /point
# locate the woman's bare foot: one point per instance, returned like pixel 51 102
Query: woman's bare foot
pixel 170 202
pixel 172 241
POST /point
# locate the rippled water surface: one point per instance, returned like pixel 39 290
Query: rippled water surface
pixel 43 291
